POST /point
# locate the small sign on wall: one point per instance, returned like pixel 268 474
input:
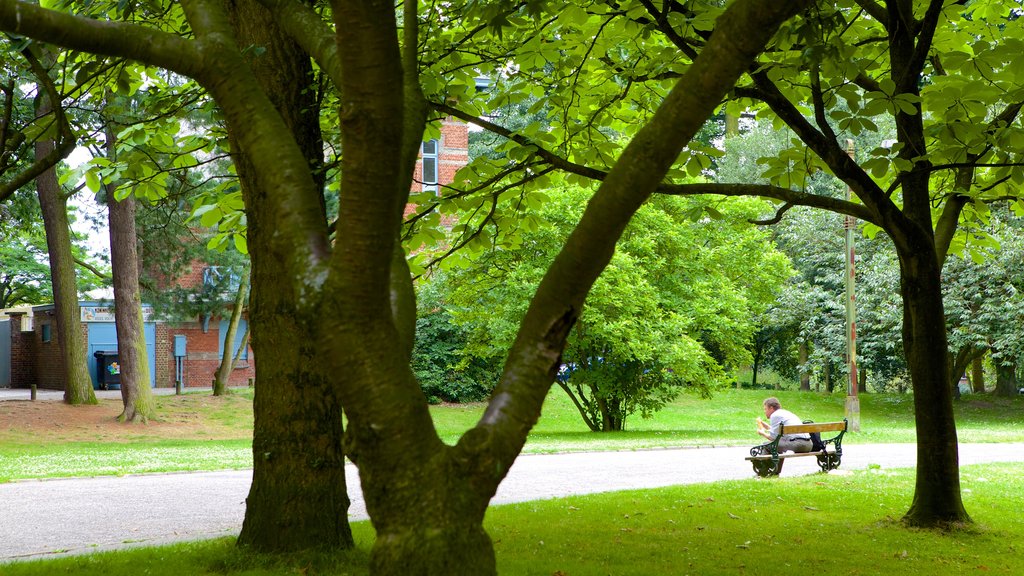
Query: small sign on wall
pixel 106 313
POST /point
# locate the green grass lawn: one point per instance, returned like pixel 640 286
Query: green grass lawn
pixel 195 432
pixel 727 419
pixel 104 459
pixel 839 523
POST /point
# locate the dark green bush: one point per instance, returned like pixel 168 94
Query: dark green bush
pixel 445 371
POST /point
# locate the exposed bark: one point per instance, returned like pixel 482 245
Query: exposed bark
pixel 131 334
pixel 136 394
pixel 1006 379
pixel 426 500
pixel 959 363
pixel 299 497
pixel 978 375
pixel 228 357
pixel 45 159
pixel 67 316
pixel 937 498
pixel 393 458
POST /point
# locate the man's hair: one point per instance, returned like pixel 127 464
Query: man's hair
pixel 773 402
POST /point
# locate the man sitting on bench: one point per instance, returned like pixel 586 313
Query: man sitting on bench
pixel 776 416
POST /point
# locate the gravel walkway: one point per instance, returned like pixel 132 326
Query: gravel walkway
pixel 69 516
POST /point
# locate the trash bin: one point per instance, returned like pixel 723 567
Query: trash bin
pixel 108 370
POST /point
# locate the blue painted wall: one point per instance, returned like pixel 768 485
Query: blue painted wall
pixel 103 336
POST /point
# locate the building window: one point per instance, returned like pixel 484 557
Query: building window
pixel 44 332
pixel 221 278
pixel 430 165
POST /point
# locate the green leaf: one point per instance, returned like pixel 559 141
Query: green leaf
pixel 92 181
pixel 211 217
pixel 240 244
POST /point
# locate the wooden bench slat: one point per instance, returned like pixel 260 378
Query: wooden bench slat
pixel 816 427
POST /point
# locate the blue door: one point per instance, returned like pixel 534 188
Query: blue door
pixel 103 336
pixel 239 334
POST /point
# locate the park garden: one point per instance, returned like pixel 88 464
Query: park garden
pixel 645 240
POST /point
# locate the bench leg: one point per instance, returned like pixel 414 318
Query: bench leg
pixel 828 462
pixel 766 468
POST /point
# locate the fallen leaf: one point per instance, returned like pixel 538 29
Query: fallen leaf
pixel 733 516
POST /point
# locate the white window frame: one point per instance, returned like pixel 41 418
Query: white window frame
pixel 430 153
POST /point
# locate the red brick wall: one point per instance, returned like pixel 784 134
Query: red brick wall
pixel 35 360
pixel 452 155
pixel 202 360
pixel 192 276
pixel 23 352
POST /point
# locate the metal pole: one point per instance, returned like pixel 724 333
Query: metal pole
pixel 852 401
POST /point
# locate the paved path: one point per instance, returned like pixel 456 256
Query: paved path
pixel 81 515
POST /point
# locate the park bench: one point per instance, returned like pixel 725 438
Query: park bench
pixel 768 462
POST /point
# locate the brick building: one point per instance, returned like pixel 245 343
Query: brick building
pixel 441 158
pixel 35 354
pixel 35 357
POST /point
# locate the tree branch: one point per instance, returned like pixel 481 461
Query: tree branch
pixel 946 225
pixel 767 191
pixel 774 219
pixel 102 37
pixel 883 210
pixel 541 152
pixel 742 32
pixel 65 141
pixel 876 11
pixel 310 31
pixel 96 271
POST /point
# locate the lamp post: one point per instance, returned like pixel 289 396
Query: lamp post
pixel 852 401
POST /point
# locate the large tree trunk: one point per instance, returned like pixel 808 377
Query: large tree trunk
pixel 937 497
pixel 131 334
pixel 330 304
pixel 434 526
pixel 67 315
pixel 1006 379
pixel 978 375
pixel 298 498
pixel 426 506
